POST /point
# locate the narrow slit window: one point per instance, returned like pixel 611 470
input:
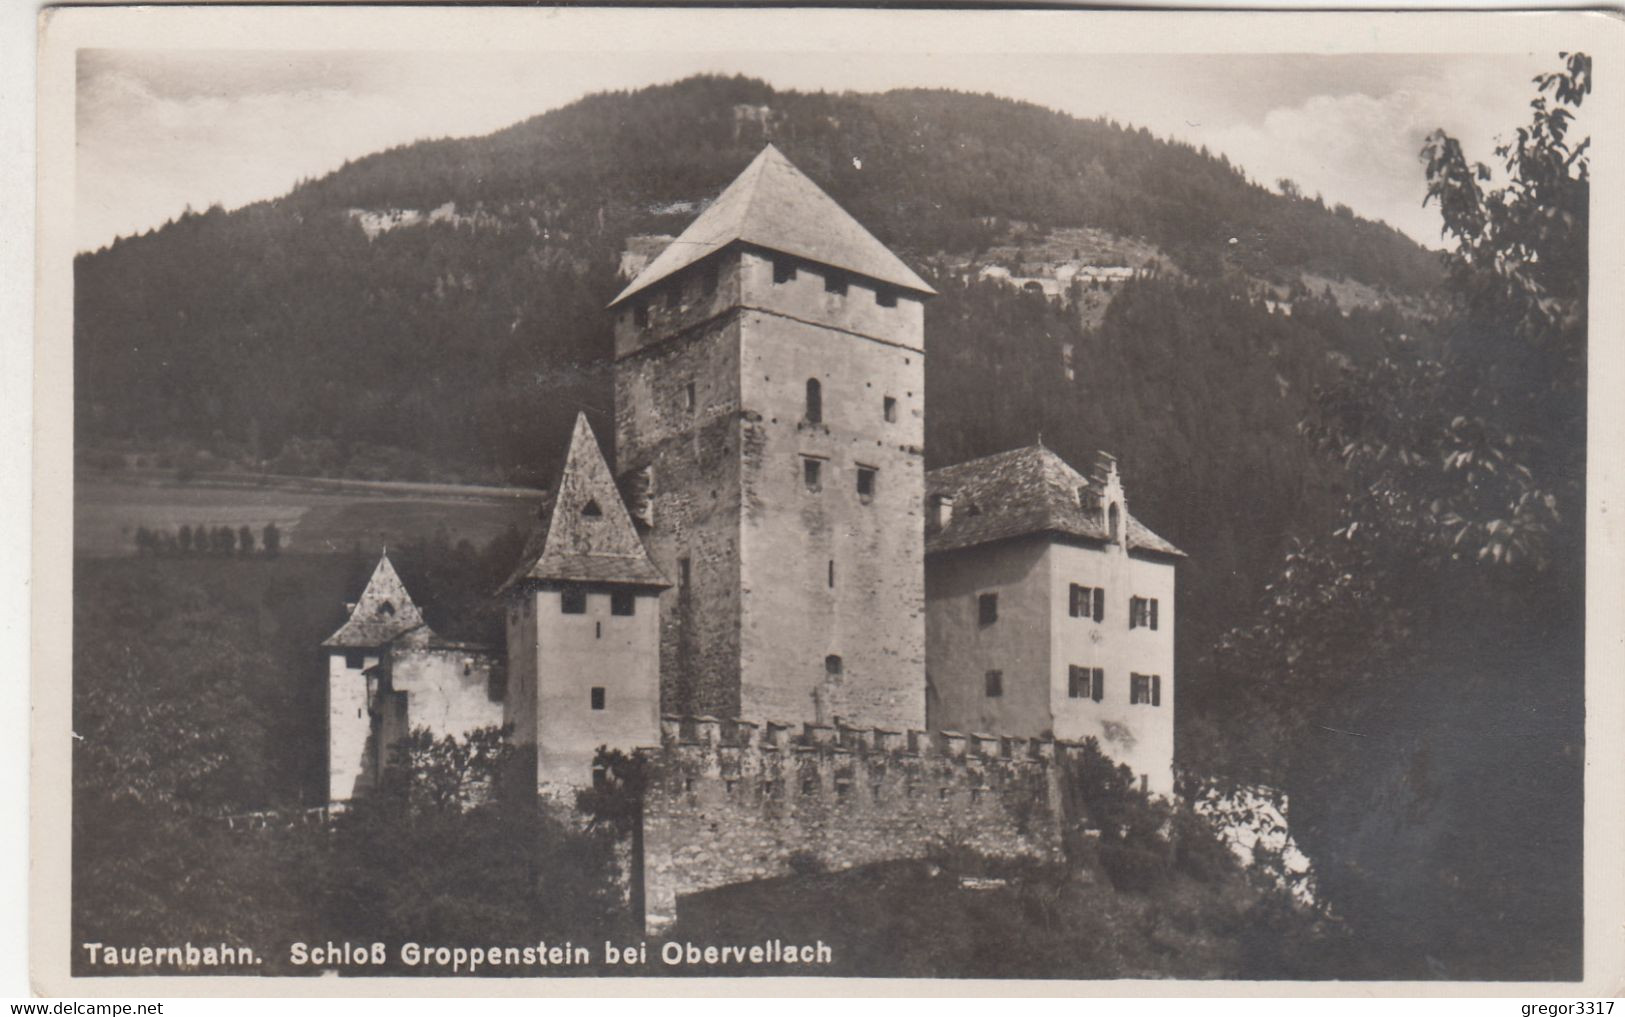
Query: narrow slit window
pixel 597 697
pixel 815 401
pixel 888 409
pixel 832 573
pixel 994 684
pixel 683 573
pixel 688 396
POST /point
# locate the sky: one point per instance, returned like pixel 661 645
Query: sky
pixel 161 130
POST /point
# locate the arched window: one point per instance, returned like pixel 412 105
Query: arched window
pixel 386 609
pixel 1114 523
pixel 815 401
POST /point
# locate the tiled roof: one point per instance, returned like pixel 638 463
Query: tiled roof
pixel 585 533
pixel 773 205
pixel 1020 492
pixel 384 611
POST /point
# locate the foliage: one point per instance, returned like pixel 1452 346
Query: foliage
pixel 1405 667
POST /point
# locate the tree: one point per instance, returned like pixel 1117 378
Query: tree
pixel 1414 663
pixel 271 540
pixel 185 539
pixel 245 540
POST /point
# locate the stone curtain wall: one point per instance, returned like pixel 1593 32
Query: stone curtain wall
pixel 730 802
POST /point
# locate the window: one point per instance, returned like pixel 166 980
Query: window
pixel 994 681
pixel 1113 519
pixel 987 608
pixel 835 282
pixel 640 315
pixel 1085 682
pixel 784 270
pixel 886 297
pixel 591 509
pixel 833 666
pixel 682 573
pixel 832 573
pixel 1142 613
pixel 815 402
pixel 597 697
pixel 623 602
pixel 1145 690
pixel 688 396
pixel 355 660
pixel 812 472
pixel 674 296
pixel 888 408
pixel 866 482
pixel 573 600
pixel 708 278
pixel 1087 602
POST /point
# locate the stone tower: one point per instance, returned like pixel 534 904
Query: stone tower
pixel 583 626
pixel 769 395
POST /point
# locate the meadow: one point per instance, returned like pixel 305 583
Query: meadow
pixel 313 517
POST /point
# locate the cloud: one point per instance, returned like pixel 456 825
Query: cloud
pixel 1364 150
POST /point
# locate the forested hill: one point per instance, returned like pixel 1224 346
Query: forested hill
pixel 436 311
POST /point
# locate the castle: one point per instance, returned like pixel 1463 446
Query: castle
pixel 772 551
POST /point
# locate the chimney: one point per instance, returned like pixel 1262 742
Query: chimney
pixel 941 511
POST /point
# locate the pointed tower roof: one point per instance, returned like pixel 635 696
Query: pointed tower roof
pixel 384 611
pixel 586 535
pixel 773 205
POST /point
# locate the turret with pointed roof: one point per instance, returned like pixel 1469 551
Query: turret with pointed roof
pixel 583 624
pixel 585 534
pixel 383 611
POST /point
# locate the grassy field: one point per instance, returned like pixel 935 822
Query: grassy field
pixel 312 517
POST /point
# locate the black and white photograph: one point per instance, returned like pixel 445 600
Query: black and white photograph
pixel 1042 496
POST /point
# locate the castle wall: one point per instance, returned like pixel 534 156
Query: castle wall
pixel 727 803
pixel 693 455
pixel 830 572
pixel 448 688
pixel 348 726
pixel 961 650
pixel 1140 735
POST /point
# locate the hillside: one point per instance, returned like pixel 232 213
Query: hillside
pixel 435 312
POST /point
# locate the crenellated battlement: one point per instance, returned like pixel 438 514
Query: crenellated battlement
pixel 686 733
pixel 733 800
